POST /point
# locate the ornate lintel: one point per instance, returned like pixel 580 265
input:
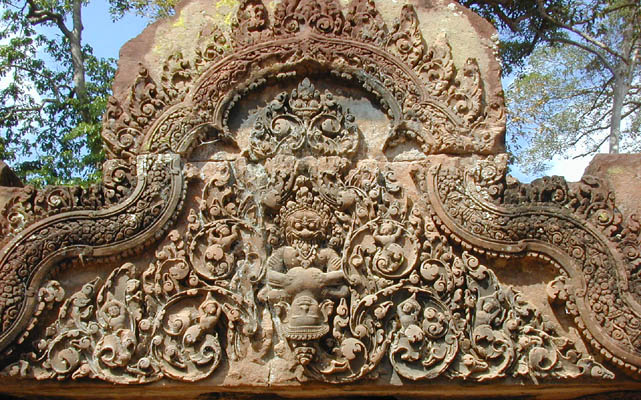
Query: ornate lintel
pixel 317 244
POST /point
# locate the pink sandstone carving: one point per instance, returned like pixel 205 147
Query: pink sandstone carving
pixel 298 250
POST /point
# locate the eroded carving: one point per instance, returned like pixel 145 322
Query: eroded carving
pixel 304 123
pixel 302 254
pixel 87 234
pixel 431 104
pixel 597 250
pixel 31 204
pixel 335 256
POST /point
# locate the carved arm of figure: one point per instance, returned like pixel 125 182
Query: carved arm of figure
pixel 276 279
pixel 227 238
pixel 331 259
pixel 334 285
pixel 276 262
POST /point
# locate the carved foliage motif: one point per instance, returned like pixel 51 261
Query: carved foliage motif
pixel 304 123
pixel 297 252
pixel 430 103
pixel 330 265
pixel 323 17
pixel 31 204
pixel 83 233
pixel 131 331
pixel 600 250
pixel 364 22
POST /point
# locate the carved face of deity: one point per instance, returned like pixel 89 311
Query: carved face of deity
pixel 307 318
pixel 305 311
pixel 306 225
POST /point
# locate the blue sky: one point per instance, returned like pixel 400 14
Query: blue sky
pixel 107 37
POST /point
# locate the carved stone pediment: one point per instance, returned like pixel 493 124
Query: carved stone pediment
pixel 312 194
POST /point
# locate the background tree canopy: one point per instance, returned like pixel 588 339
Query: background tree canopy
pixel 577 79
pixel 53 90
pixel 575 63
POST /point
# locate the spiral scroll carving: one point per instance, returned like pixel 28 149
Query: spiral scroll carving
pixel 125 227
pixel 299 251
pixel 329 264
pixel 575 227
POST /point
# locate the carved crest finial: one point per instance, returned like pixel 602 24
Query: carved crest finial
pixel 305 100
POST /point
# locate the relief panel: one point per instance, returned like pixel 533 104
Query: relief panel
pixel 259 222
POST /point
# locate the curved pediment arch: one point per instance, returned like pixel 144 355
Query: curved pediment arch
pixel 441 109
pixel 316 194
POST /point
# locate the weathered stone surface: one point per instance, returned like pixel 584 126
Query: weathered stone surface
pixel 8 178
pixel 623 173
pixel 310 198
pixel 191 28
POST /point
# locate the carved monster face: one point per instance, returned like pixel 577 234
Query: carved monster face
pixel 304 225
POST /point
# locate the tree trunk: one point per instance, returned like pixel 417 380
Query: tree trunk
pixel 78 59
pixel 620 90
pixel 623 76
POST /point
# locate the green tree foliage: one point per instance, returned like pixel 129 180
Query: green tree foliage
pixel 554 107
pixel 53 90
pixel 146 8
pixel 579 80
pixel 582 89
pixel 521 26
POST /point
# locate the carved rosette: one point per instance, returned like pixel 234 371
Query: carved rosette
pixel 300 250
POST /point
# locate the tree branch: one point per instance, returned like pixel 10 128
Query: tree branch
pixel 598 96
pixel 588 133
pixel 37 16
pixel 582 46
pixel 632 110
pixel 583 35
pixel 55 86
pixel 594 149
pixel 608 11
pixel 13 110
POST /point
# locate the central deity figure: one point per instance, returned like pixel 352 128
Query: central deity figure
pixel 304 276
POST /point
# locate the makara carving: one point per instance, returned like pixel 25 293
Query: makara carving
pixel 300 252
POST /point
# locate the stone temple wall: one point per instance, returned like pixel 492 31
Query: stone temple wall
pixel 310 199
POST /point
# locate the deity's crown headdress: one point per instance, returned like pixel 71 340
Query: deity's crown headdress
pixel 306 200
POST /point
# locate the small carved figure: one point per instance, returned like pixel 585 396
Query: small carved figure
pixel 220 239
pixel 390 256
pixel 408 312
